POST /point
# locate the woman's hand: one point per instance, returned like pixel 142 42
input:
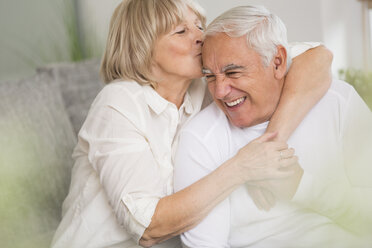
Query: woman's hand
pixel 265 165
pixel 265 193
pixel 263 159
pixel 283 189
pixel 262 198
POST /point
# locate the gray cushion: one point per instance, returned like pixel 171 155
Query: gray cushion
pixel 36 142
pixel 79 84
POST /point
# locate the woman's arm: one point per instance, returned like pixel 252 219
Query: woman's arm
pixel 135 186
pixel 183 210
pixel 307 81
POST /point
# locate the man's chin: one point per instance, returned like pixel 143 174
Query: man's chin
pixel 240 123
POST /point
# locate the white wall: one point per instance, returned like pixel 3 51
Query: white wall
pixel 342 28
pixel 303 24
pixel 336 23
pixel 32 32
pixel 302 17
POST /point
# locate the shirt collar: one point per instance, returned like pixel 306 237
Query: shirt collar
pixel 187 104
pixel 158 104
pixel 258 127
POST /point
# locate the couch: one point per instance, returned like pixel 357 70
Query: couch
pixel 40 117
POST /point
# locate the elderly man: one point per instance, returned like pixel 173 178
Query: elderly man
pixel 245 61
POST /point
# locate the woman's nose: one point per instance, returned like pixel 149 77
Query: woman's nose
pixel 198 36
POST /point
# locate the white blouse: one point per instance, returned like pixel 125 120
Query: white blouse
pixel 123 164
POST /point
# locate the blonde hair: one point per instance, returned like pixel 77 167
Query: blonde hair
pixel 134 28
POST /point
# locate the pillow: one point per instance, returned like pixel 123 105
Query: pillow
pixel 79 84
pixel 36 143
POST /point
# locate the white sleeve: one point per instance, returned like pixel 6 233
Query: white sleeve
pixel 125 164
pixel 192 162
pixel 346 201
pixel 297 48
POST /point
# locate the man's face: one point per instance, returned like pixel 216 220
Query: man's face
pixel 240 84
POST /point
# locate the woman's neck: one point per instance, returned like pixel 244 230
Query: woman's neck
pixel 172 91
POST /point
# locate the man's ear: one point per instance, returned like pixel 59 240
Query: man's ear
pixel 280 62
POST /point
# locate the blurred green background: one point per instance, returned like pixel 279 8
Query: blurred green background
pixel 39 32
pixel 362 82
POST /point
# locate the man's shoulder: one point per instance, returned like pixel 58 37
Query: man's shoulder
pixel 207 122
pixel 340 90
pixel 332 110
pixel 337 98
pixel 204 143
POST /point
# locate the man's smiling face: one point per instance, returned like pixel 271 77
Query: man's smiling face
pixel 240 84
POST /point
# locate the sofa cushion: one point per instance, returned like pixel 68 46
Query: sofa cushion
pixel 79 84
pixel 36 142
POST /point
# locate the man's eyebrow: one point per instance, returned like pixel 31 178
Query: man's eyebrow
pixel 206 71
pixel 232 67
pixel 226 68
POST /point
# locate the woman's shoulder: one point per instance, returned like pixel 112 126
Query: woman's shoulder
pixel 119 93
pixel 125 97
pixel 120 88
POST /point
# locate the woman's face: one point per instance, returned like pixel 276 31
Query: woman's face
pixel 177 55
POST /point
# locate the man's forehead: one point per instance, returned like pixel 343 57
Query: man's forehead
pixel 221 52
pixel 223 40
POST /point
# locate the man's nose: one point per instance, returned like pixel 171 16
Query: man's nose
pixel 222 88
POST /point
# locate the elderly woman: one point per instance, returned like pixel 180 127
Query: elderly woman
pixel 121 193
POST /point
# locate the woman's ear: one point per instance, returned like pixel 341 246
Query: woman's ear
pixel 280 62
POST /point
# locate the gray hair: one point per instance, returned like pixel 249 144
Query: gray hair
pixel 264 30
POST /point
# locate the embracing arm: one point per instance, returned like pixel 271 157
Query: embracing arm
pixel 136 185
pixel 185 209
pixel 307 81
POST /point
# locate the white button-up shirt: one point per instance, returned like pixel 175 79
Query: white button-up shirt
pixel 124 164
